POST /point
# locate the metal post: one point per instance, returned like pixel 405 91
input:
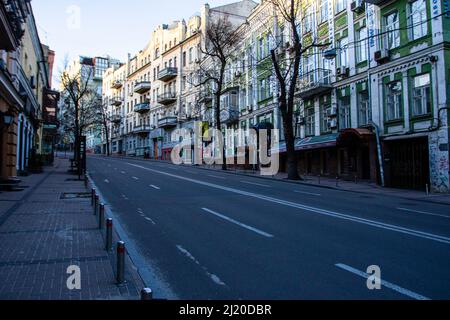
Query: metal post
pixel 85 181
pixel 356 179
pixel 427 187
pixel 319 178
pixel 109 231
pixel 93 197
pixel 337 182
pixel 101 216
pixel 120 262
pixel 146 294
pixel 96 203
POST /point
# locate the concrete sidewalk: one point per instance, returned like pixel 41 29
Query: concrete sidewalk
pixel 324 182
pixel 42 234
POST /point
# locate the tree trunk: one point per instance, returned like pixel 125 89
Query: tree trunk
pixel 292 160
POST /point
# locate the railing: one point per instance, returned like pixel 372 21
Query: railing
pixel 315 82
pixel 142 87
pixel 167 74
pixel 142 107
pixel 167 98
pixel 167 122
pixel 144 128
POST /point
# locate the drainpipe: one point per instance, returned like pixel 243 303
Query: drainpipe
pixel 380 155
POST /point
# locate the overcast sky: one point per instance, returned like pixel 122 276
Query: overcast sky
pixel 111 27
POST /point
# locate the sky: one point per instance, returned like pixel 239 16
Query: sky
pixel 100 27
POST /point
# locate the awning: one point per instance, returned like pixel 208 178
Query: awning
pixel 354 132
pixel 263 126
pixel 310 143
pixel 318 142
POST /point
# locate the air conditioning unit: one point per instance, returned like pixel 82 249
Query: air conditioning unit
pixel 249 108
pixel 358 6
pixel 332 124
pixel 381 55
pixel 332 112
pixel 238 74
pixel 342 72
pixel 302 121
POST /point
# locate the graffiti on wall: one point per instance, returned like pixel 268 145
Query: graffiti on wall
pixel 439 165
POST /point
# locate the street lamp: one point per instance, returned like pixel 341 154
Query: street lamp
pixel 7 118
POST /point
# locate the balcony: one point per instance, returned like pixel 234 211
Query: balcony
pixel 142 129
pixel 116 85
pixel 167 122
pixel 205 97
pixel 229 116
pixel 12 16
pixel 314 82
pixel 167 98
pixel 167 74
pixel 142 87
pixel 116 118
pixel 142 107
pixel 116 101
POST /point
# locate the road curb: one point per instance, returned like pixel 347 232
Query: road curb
pixel 283 180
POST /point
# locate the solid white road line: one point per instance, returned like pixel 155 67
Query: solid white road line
pixel 136 178
pixel 373 223
pixel 213 277
pixel 106 181
pixel 262 233
pixel 386 284
pixel 256 184
pixel 423 212
pixel 308 193
pixel 155 187
pixel 123 172
pixel 217 177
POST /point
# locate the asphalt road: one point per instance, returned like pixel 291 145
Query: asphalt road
pixel 214 235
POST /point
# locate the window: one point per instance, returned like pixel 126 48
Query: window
pixel 184 59
pixel 262 90
pixel 343 52
pixel 310 122
pixel 183 84
pixel 326 110
pixel 307 20
pixel 361 47
pixel 323 11
pixel 341 5
pixel 365 114
pixel 344 113
pixel 261 48
pixel 417 19
pixel 392 32
pixel 394 101
pixel 269 87
pixel 191 55
pixel 421 95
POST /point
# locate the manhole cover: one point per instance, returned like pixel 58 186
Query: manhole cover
pixel 79 195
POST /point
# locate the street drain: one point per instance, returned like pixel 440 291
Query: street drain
pixel 77 195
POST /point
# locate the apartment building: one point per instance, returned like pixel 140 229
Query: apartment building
pixel 159 94
pixel 24 74
pixel 91 71
pixel 371 103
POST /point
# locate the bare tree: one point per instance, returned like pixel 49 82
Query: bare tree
pixel 287 68
pixel 221 39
